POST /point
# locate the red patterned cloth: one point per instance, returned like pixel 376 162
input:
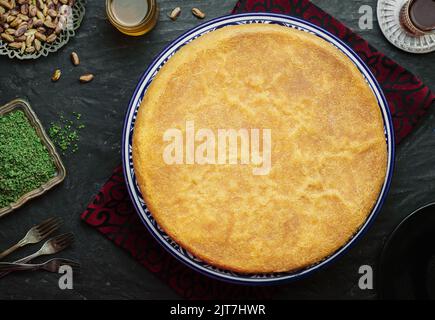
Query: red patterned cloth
pixel 112 213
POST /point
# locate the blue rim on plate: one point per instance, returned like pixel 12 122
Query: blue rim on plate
pixel 146 79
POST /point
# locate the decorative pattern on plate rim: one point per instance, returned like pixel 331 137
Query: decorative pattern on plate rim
pixel 147 78
pixel 389 21
pixel 78 13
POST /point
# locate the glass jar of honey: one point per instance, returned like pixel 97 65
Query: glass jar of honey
pixel 132 17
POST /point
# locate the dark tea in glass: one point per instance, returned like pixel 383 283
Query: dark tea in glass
pixel 418 16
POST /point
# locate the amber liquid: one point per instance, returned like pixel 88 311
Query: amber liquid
pixel 129 13
pixel 422 14
pixel 132 17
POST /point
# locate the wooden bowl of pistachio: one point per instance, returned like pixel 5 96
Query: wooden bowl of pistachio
pixel 30 29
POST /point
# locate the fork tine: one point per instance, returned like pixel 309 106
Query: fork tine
pixel 71 263
pixel 45 222
pixel 61 237
pixel 74 265
pixel 64 244
pixel 42 230
pixel 48 224
pixel 65 240
pixel 46 232
pixel 68 236
pixel 56 240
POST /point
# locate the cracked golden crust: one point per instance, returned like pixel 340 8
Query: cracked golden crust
pixel 329 152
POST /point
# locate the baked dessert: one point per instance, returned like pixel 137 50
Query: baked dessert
pixel 327 149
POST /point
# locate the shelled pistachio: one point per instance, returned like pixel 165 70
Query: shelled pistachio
pixel 86 78
pixel 198 13
pixel 56 75
pixel 75 58
pixel 33 22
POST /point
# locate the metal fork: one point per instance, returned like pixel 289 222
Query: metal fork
pixel 35 235
pixel 52 246
pixel 52 265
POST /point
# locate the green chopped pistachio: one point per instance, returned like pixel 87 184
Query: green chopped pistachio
pixel 65 133
pixel 25 163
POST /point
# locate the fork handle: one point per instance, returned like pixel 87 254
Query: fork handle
pixel 24 260
pixel 29 258
pixel 12 249
pixel 20 267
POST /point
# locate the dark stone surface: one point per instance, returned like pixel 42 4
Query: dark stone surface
pixel 118 61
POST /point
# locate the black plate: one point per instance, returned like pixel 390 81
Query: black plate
pixel 407 265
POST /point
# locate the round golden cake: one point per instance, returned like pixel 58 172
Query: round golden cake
pixel 328 149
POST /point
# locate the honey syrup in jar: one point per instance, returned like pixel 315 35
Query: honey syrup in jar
pixel 132 17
